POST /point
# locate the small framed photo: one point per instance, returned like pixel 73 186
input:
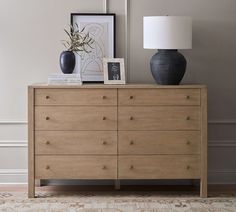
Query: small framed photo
pixel 114 70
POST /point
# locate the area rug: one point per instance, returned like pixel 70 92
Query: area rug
pixel 114 202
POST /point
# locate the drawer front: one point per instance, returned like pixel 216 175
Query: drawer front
pixel 75 118
pixel 76 167
pixel 76 142
pixel 159 167
pixel 159 118
pixel 159 96
pixel 159 142
pixel 76 97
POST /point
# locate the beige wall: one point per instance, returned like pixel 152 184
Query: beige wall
pixel 30 34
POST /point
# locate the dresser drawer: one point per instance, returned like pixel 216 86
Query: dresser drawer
pixel 159 96
pixel 159 167
pixel 76 142
pixel 76 167
pixel 159 142
pixel 76 97
pixel 75 118
pixel 159 118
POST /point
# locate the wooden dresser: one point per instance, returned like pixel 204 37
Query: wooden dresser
pixel 117 132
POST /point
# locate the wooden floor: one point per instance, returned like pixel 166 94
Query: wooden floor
pixel 214 190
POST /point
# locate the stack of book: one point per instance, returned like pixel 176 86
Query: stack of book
pixel 65 79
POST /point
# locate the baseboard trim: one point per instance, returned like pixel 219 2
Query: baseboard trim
pixel 13 176
pixel 222 177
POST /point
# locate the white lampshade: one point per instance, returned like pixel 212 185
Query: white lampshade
pixel 167 32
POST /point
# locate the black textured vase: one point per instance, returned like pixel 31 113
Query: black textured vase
pixel 67 62
pixel 168 67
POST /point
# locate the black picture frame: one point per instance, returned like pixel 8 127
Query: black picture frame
pixel 102 28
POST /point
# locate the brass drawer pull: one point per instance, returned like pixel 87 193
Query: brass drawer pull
pixel 104 167
pixel 188 118
pixel 47 167
pixel 47 142
pixel 104 97
pixel 104 143
pixel 131 143
pixel 131 97
pixel 131 167
pixel 131 118
pixel 47 118
pixel 47 97
pixel 188 167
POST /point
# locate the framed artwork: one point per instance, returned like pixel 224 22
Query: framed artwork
pixel 114 70
pixel 101 28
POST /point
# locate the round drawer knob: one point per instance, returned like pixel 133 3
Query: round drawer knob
pixel 104 143
pixel 104 97
pixel 47 142
pixel 188 167
pixel 104 167
pixel 188 118
pixel 47 97
pixel 131 118
pixel 47 118
pixel 47 167
pixel 131 167
pixel 187 97
pixel 131 143
pixel 104 118
pixel 131 97
pixel 188 142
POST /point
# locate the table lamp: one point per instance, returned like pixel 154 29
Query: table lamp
pixel 167 34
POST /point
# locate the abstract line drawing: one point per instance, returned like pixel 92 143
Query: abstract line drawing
pixel 101 28
pixel 91 64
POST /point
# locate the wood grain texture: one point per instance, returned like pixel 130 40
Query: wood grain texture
pixel 204 144
pixel 134 86
pixel 75 118
pixel 76 167
pixel 31 159
pixel 159 118
pixel 158 96
pixel 118 132
pixel 76 97
pixel 159 167
pixel 159 142
pixel 76 142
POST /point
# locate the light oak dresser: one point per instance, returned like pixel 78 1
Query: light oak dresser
pixel 117 132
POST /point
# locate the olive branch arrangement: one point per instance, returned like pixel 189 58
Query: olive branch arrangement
pixel 79 41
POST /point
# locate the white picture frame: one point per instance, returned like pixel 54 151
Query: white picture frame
pixel 114 71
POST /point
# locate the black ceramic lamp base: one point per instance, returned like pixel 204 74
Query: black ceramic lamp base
pixel 168 67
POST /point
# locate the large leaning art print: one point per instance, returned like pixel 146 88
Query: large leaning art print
pixel 101 28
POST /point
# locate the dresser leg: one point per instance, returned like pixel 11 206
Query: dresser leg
pixel 203 188
pixel 31 188
pixel 117 184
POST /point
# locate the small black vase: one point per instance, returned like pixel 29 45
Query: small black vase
pixel 67 62
pixel 168 67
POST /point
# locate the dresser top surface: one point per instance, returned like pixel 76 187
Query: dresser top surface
pixel 100 85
